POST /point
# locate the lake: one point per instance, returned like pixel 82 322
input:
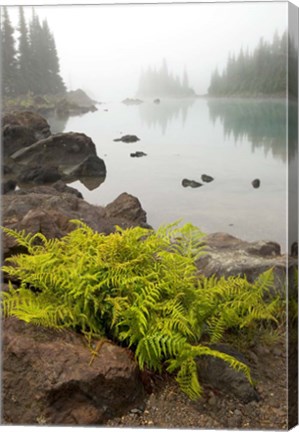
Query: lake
pixel 234 141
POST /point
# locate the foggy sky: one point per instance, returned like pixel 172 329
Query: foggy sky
pixel 102 49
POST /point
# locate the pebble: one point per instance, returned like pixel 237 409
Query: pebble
pixel 212 401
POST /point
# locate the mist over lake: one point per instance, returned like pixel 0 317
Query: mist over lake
pixel 234 141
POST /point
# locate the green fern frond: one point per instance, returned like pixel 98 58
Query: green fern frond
pixel 138 286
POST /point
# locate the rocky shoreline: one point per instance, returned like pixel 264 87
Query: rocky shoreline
pixel 45 378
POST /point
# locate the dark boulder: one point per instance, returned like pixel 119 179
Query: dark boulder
pixel 48 379
pixel 92 166
pixel 138 154
pixel 30 120
pixel 8 186
pixel 221 376
pixel 207 178
pixel 256 183
pixel 64 149
pixel 39 175
pixel 191 183
pixel 16 137
pixel 128 139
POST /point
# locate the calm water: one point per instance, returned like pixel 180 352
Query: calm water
pixel 233 141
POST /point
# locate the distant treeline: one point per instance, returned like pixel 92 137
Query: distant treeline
pixel 262 72
pixel 29 57
pixel 162 83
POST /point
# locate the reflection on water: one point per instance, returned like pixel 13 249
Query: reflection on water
pixel 161 114
pixel 57 123
pixel 263 123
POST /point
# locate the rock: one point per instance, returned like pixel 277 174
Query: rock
pixel 67 156
pixel 54 189
pixel 226 255
pixel 47 378
pixel 218 374
pixel 128 139
pixel 138 154
pixel 206 178
pixel 63 149
pixel 48 209
pixel 191 183
pixel 8 186
pixel 126 206
pixel 129 101
pixel 39 175
pixel 92 166
pixel 30 120
pixel 157 101
pixel 256 183
pixel 16 137
pixel 75 102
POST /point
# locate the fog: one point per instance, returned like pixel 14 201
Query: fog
pixel 102 49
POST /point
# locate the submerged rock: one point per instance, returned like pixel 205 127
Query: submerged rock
pixel 128 139
pixel 256 183
pixel 138 154
pixel 206 178
pixel 191 183
pixel 47 378
pixel 129 101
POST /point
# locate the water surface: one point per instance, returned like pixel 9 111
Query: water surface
pixel 234 141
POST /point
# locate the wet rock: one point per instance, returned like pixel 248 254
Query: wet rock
pixel 191 183
pixel 129 101
pixel 221 376
pixel 138 154
pixel 128 139
pixel 256 183
pixel 47 378
pixel 206 178
pixel 226 255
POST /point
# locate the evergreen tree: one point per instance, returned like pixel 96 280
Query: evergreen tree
pixel 24 59
pixel 161 83
pixel 9 61
pixel 261 73
pixel 53 83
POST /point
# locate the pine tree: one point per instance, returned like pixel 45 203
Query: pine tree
pixel 24 59
pixel 53 83
pixel 9 61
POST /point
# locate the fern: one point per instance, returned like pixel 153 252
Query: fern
pixel 139 288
